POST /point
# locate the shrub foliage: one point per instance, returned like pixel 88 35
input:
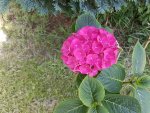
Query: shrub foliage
pixel 71 6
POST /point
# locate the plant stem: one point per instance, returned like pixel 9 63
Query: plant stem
pixel 128 82
pixel 147 43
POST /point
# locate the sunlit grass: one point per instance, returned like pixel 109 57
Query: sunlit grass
pixel 3 36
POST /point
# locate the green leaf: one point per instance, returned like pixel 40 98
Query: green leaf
pixel 138 59
pixel 143 96
pixel 130 40
pixel 79 79
pixel 112 78
pixel 86 20
pixel 91 91
pixel 121 104
pixel 71 106
pixel 73 27
pixel 98 109
pixel 144 81
pixel 109 29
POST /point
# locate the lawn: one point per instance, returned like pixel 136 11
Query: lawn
pixel 32 76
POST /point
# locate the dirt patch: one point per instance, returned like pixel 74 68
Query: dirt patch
pixel 48 105
pixel 59 20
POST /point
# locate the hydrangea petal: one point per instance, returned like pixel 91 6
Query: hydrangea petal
pixel 79 54
pixel 85 69
pixel 97 47
pixel 91 58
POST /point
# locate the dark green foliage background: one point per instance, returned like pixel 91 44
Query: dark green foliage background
pixel 73 6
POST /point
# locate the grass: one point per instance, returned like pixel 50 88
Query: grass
pixel 32 76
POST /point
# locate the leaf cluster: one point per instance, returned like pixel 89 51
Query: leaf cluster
pixel 111 91
pixel 70 7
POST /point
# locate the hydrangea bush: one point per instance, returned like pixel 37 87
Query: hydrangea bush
pixel 103 86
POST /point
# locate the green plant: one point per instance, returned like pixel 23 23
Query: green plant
pixel 135 85
pixel 111 91
pixel 144 13
pixel 4 5
pixel 71 6
pixel 26 5
pixel 93 99
pixel 126 18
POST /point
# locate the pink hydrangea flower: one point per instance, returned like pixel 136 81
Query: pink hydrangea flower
pixel 90 50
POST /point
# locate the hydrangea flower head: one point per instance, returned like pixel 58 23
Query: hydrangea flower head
pixel 90 50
